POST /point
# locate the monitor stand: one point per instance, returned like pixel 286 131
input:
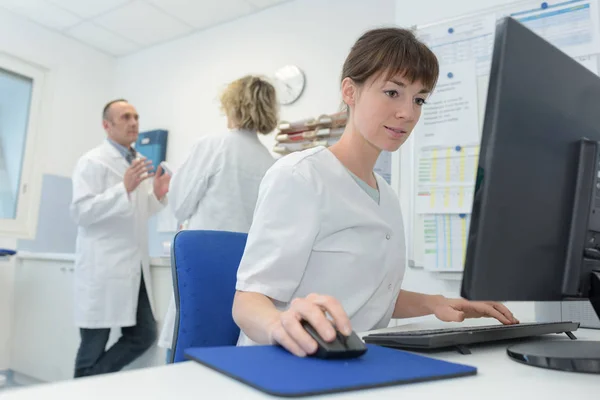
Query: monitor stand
pixel 567 355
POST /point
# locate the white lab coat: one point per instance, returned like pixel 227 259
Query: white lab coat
pixel 112 240
pixel 216 189
pixel 315 230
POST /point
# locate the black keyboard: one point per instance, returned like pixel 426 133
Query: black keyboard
pixel 433 339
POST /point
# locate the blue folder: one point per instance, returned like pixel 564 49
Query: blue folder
pixel 153 146
pixel 273 370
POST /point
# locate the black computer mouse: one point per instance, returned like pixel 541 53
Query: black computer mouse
pixel 342 347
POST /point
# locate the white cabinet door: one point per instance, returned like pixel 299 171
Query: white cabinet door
pixel 44 338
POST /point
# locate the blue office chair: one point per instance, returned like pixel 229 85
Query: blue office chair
pixel 205 266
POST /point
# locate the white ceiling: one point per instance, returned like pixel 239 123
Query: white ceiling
pixel 121 27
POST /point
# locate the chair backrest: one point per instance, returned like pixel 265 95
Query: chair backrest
pixel 204 268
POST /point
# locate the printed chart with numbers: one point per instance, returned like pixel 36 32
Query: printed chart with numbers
pixel 445 180
pixel 445 241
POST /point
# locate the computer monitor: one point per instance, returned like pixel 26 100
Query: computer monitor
pixel 535 224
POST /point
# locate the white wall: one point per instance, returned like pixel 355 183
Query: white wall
pixel 176 86
pixel 79 82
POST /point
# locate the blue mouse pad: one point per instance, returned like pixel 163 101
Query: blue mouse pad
pixel 273 370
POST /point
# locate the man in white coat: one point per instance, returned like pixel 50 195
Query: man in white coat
pixel 113 198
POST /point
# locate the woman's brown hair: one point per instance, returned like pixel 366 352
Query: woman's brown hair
pixel 391 51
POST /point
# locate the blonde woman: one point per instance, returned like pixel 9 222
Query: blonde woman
pixel 217 186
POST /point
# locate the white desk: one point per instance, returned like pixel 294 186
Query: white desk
pixel 498 377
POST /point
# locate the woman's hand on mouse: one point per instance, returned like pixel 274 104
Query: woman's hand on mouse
pixel 287 331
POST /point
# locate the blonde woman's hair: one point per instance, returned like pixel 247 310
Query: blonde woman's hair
pixel 251 103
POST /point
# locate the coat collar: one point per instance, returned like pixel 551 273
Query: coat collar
pixel 117 162
pixel 112 150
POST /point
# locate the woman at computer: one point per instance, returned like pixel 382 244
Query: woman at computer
pixel 327 235
pixel 217 186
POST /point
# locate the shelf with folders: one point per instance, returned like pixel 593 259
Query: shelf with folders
pixel 324 130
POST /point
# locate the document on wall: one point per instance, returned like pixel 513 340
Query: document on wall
pixel 383 166
pixel 450 116
pixel 446 179
pixel 445 243
pixel 590 62
pixel 444 199
pixel 572 26
pixel 469 39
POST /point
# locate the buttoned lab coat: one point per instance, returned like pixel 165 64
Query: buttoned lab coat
pixel 216 189
pixel 315 230
pixel 112 240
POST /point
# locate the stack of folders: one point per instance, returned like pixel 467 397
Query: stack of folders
pixel 324 130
